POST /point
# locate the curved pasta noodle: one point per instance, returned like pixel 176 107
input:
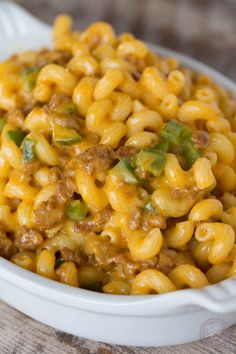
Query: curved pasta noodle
pixel 68 274
pixel 117 287
pixel 83 65
pixel 186 274
pixel 151 280
pixel 98 33
pixel 154 83
pixel 142 139
pixel 45 264
pixel 180 235
pixel 144 245
pixel 193 110
pixel 169 206
pixel 83 94
pixel 113 133
pixel 107 84
pixel 222 146
pixel 218 272
pixel 176 176
pixel 50 76
pixel 95 197
pixel 206 209
pixel 140 121
pixel 203 175
pixel 96 116
pixel 121 199
pixel 223 236
pixel 132 47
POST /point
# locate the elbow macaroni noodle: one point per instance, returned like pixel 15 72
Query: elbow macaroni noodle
pixel 117 166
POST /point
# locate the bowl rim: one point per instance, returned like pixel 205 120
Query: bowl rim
pixel 219 297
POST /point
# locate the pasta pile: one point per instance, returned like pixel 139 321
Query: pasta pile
pixel 117 166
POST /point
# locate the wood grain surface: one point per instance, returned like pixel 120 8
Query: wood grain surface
pixel 20 334
pixel 204 29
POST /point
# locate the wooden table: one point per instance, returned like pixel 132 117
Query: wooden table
pixel 204 29
pixel 20 334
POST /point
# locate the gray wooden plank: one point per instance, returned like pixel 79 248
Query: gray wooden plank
pixel 20 334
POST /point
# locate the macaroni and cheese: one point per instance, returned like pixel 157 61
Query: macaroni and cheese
pixel 117 166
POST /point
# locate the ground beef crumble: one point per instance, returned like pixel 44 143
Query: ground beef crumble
pixel 96 159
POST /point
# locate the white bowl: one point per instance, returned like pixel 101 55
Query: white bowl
pixel 168 319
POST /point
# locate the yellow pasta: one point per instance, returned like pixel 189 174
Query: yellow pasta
pixel 132 47
pixel 25 214
pixel 122 106
pixel 117 287
pixel 220 125
pixel 3 198
pixel 229 217
pixel 200 251
pixel 203 174
pixel 97 113
pixel 113 134
pixel 151 280
pixel 180 235
pixel 20 190
pixel 44 195
pixel 116 63
pixel 68 274
pixel 62 26
pixel 131 87
pixel 206 209
pixel 222 146
pixel 177 177
pixel 58 242
pixel 42 176
pixel 144 120
pixel 154 83
pixel 37 120
pixel 121 199
pixel 176 82
pixel 167 205
pixel 117 166
pixel 12 154
pixel 50 76
pixel 8 92
pixel 103 51
pixel 144 246
pixel 84 65
pixel 188 275
pixel 142 139
pixel 223 236
pixel 25 260
pixel 83 94
pixel 45 264
pixel 225 176
pixel 4 167
pixel 193 110
pixel 205 94
pixel 107 84
pixel 7 218
pixel 95 197
pixel 98 33
pixel 45 151
pixel 218 272
pixel 169 107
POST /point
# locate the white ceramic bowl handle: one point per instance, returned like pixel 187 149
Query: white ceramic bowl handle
pixel 16 22
pixel 220 298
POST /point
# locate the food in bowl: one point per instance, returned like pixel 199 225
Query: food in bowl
pixel 117 166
